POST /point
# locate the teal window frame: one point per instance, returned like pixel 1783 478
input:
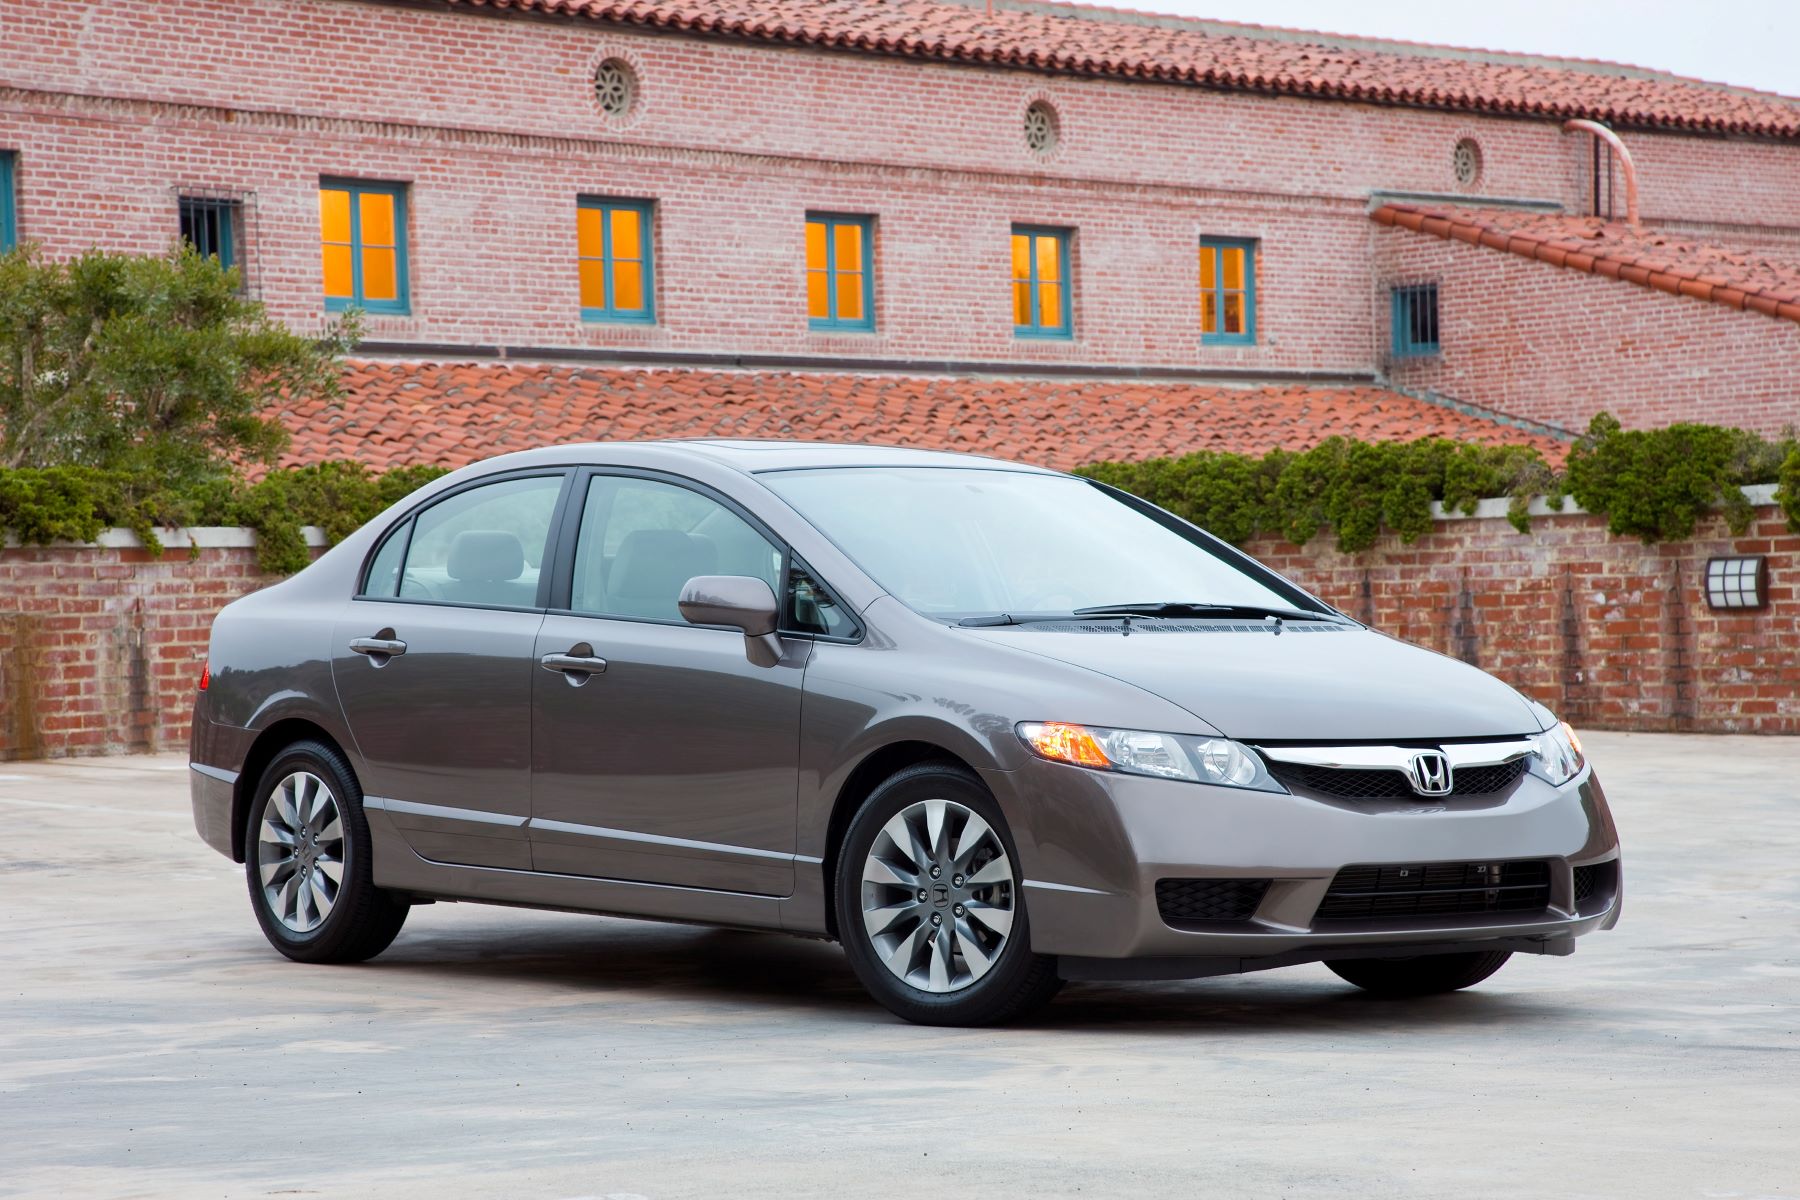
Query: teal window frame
pixel 1220 291
pixel 9 227
pixel 226 214
pixel 401 305
pixel 833 222
pixel 609 313
pixel 1412 335
pixel 1037 329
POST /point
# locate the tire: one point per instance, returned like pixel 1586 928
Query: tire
pixel 311 918
pixel 1427 975
pixel 975 967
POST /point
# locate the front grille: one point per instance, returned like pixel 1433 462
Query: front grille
pixel 1185 901
pixel 1380 783
pixel 1406 890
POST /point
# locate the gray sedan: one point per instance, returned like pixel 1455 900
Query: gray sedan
pixel 990 727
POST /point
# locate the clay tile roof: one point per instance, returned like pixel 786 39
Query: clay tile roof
pixel 398 413
pixel 1644 256
pixel 1089 40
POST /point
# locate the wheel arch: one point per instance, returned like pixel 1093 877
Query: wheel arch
pixel 269 743
pixel 876 767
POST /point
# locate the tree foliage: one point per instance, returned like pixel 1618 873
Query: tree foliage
pixel 152 366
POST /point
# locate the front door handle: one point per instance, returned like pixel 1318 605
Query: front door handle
pixel 579 663
pixel 379 648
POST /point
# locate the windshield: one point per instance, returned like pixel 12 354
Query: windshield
pixel 964 541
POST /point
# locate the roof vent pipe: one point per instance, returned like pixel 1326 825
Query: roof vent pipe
pixel 1625 164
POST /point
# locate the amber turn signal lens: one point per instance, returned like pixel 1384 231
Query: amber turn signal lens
pixel 1065 743
pixel 1574 741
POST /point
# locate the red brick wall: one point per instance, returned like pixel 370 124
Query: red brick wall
pixel 1556 345
pixel 112 107
pixel 100 648
pixel 1610 633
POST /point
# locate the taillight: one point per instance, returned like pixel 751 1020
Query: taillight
pixel 205 675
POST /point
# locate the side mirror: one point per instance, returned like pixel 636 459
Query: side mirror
pixel 740 601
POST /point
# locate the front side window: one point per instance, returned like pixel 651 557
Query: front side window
pixel 959 542
pixel 211 227
pixel 840 278
pixel 1227 291
pixel 485 545
pixel 362 233
pixel 1415 320
pixel 1040 282
pixel 9 229
pixel 641 540
pixel 612 245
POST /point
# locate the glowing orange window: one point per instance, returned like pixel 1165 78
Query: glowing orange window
pixel 362 236
pixel 1227 291
pixel 1040 282
pixel 840 276
pixel 614 260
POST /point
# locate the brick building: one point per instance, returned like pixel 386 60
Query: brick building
pixel 1060 231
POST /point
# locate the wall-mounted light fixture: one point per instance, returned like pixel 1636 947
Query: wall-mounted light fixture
pixel 1741 582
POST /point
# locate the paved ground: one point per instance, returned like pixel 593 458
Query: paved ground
pixel 151 1043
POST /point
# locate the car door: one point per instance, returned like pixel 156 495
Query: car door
pixel 434 668
pixel 660 753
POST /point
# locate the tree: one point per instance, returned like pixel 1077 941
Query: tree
pixel 155 365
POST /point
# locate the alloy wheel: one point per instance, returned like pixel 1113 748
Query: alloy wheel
pixel 300 852
pixel 938 896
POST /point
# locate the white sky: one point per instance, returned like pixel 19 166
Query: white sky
pixel 1753 43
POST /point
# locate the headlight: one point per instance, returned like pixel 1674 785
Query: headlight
pixel 1162 755
pixel 1556 757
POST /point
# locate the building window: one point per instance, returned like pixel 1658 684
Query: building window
pixel 1415 313
pixel 1042 129
pixel 362 228
pixel 1040 282
pixel 840 275
pixel 1227 292
pixel 612 244
pixel 615 87
pixel 210 226
pixel 9 229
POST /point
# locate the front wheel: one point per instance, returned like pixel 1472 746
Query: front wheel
pixel 1426 975
pixel 929 904
pixel 307 861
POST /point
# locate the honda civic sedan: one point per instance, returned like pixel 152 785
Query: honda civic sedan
pixel 990 727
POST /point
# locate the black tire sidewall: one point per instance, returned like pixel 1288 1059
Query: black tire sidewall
pixel 327 942
pixel 1010 984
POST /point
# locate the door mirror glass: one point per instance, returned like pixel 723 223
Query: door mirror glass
pixel 741 602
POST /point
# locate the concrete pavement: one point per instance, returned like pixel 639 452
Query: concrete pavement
pixel 152 1044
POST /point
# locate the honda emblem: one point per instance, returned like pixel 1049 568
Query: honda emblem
pixel 1430 773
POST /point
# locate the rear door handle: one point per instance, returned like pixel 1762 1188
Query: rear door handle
pixel 378 647
pixel 579 663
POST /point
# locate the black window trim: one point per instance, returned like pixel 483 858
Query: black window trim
pixel 551 543
pixel 562 578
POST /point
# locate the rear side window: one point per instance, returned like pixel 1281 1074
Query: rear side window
pixel 641 540
pixel 485 545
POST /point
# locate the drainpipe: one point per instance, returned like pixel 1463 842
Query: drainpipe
pixel 1625 164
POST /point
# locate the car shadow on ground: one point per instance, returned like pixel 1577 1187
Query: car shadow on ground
pixel 801 977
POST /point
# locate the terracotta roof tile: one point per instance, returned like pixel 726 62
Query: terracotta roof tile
pixel 397 413
pixel 1095 41
pixel 1644 256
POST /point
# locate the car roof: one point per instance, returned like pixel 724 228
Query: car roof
pixel 756 455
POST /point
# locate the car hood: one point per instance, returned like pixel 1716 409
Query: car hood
pixel 1309 682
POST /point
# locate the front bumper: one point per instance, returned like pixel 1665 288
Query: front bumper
pixel 1093 845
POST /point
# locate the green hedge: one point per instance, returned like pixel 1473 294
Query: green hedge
pixel 42 505
pixel 1652 484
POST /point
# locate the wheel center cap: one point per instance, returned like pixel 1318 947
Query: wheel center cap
pixel 940 896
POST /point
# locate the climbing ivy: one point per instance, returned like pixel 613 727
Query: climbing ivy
pixel 1654 484
pixel 49 504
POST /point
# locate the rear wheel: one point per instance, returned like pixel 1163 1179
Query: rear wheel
pixel 308 861
pixel 929 903
pixel 1426 975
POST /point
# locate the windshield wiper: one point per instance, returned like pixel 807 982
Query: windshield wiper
pixel 1182 608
